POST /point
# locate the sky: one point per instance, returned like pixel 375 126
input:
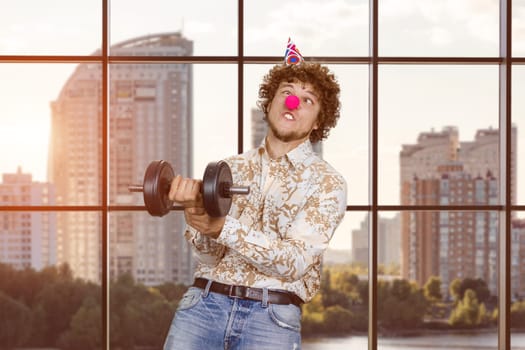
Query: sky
pixel 412 99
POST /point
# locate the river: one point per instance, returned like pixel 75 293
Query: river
pixel 425 342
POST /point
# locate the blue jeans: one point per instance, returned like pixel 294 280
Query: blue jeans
pixel 211 321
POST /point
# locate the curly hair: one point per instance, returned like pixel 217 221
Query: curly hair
pixel 322 80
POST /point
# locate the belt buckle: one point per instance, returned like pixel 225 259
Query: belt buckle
pixel 238 292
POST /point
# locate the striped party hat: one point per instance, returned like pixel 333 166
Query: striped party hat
pixel 292 54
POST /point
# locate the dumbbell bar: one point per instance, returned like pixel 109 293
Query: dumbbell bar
pixel 217 188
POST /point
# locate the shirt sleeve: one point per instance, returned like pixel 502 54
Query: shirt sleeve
pixel 306 239
pixel 207 250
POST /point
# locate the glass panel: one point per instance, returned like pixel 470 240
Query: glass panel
pixel 518 28
pixel 337 317
pixel 50 130
pixel 438 135
pixel 517 261
pixel 150 267
pixel 448 281
pixel 56 27
pixel 346 147
pixel 211 26
pixel 153 117
pixel 318 28
pixel 518 134
pixel 438 28
pixel 48 262
pixel 215 126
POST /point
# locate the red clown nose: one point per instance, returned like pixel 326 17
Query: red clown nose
pixel 292 102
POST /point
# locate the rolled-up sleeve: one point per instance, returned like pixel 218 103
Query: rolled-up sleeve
pixel 207 250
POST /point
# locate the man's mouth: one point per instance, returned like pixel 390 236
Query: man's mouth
pixel 288 116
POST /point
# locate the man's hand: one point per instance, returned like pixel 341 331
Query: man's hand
pixel 202 222
pixel 187 193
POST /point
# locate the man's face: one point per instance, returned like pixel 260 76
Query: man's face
pixel 295 125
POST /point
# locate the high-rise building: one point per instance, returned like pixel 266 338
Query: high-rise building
pixel 453 244
pixel 150 118
pixel 27 239
pixel 388 241
pixel 440 170
pixel 518 259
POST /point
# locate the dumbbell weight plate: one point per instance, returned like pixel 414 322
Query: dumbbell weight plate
pixel 157 182
pixel 215 183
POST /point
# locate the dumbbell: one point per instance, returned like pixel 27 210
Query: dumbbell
pixel 217 188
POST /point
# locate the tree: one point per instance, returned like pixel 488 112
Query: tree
pixel 85 332
pixel 15 322
pixel 469 312
pixel 338 319
pixel 58 302
pixel 140 316
pixel 432 289
pixel 477 285
pixel 517 315
pixel 401 305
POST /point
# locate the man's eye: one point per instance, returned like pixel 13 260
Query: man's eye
pixel 309 101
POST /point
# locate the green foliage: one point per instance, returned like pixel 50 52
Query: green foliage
pixel 517 315
pixel 338 319
pixel 59 301
pixel 85 332
pixel 312 323
pixel 469 312
pixel 401 305
pixel 15 322
pixel 63 312
pixel 140 316
pixel 432 289
pixel 459 287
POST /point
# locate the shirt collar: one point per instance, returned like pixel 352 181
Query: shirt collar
pixel 295 157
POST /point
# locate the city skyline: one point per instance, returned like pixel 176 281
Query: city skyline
pixel 408 70
pixel 412 98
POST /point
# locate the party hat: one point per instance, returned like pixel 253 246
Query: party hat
pixel 292 54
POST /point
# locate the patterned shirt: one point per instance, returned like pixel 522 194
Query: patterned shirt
pixel 274 237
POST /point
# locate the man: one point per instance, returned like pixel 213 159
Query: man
pixel 257 265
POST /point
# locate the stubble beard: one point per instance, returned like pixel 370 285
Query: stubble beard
pixel 286 136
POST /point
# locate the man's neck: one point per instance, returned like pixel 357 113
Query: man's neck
pixel 277 148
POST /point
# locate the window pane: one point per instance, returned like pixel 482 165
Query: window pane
pixel 517 262
pixel 148 257
pixel 210 25
pixel 55 27
pixel 215 126
pixel 79 243
pixel 152 251
pixel 438 135
pixel 518 28
pixel 449 264
pixel 49 132
pixel 337 317
pixel 318 28
pixel 346 147
pixel 438 28
pixel 153 117
pixel 518 120
pixel 43 284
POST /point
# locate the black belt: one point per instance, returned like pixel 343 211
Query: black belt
pixel 243 292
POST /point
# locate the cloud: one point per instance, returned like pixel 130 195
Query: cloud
pixel 444 22
pixel 307 21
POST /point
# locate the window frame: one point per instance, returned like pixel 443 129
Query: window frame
pixel 504 61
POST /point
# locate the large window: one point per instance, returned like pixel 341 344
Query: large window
pixel 432 247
